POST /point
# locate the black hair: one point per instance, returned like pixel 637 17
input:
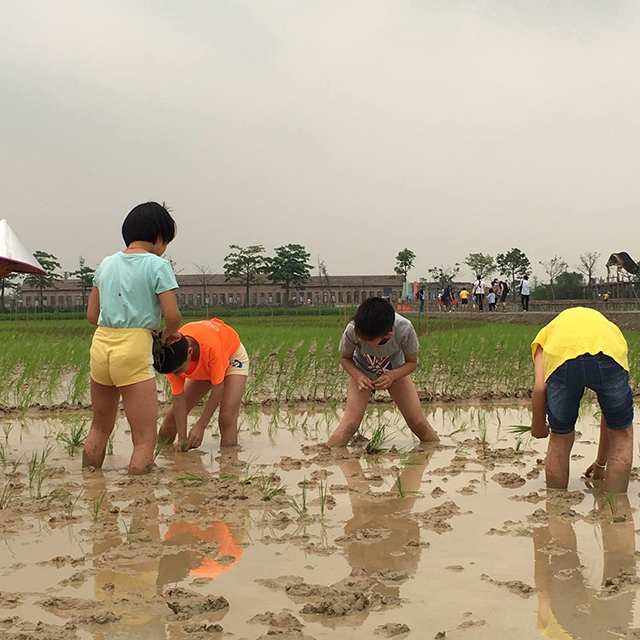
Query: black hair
pixel 168 358
pixel 374 318
pixel 147 222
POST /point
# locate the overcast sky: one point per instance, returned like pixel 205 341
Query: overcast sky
pixel 355 128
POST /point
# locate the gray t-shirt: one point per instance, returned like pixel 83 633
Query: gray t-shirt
pixel 374 361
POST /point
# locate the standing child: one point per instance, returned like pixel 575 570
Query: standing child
pixel 130 291
pixel 208 358
pixel 492 299
pixel 581 348
pixel 379 350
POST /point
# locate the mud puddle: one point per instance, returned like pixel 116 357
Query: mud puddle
pixel 285 538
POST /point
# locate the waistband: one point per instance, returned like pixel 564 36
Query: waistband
pixel 114 331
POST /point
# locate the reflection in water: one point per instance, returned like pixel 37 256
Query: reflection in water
pixel 568 606
pixel 389 552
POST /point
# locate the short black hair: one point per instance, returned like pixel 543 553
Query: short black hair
pixel 169 357
pixel 374 318
pixel 147 222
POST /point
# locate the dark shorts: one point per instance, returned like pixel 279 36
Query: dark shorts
pixel 599 373
pixel 464 301
pixel 503 297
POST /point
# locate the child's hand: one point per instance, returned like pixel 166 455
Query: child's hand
pixel 363 382
pixel 170 338
pixel 540 430
pixel 181 444
pixel 383 382
pixel 595 471
pixel 195 436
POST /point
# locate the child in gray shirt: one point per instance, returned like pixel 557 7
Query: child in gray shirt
pixel 379 350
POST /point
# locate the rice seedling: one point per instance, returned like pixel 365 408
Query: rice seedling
pixel 133 528
pixel 192 478
pixel 248 477
pixel 110 442
pixel 73 438
pixel 610 500
pixel 58 493
pixel 161 447
pixel 520 429
pixel 3 455
pixel 378 441
pixel 41 474
pixel 7 495
pixel 401 490
pixel 72 504
pixel 267 482
pixel 300 507
pixel 7 427
pixel 96 504
pixel 322 494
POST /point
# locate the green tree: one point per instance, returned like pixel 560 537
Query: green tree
pixel 10 282
pixel 289 267
pixel 513 265
pixel 568 286
pixel 245 266
pixel 480 263
pixel 444 275
pixel 404 263
pixel 554 268
pixel 50 265
pixel 85 276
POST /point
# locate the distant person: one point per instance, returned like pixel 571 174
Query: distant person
pixel 479 292
pixel 131 289
pixel 464 298
pixel 209 358
pixel 503 292
pixel 606 296
pixel 422 294
pixel 446 297
pixel 525 293
pixel 440 301
pixel 581 349
pixel 492 299
pixel 379 350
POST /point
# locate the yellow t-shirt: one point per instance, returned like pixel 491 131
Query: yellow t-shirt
pixel 575 332
pixel 464 294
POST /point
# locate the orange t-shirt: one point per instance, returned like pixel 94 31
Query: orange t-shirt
pixel 218 342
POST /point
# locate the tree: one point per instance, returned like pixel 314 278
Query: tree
pixel 10 282
pixel 480 264
pixel 85 276
pixel 50 264
pixel 511 263
pixel 443 275
pixel 245 265
pixel 324 279
pixel 568 286
pixel 553 268
pixel 204 275
pixel 587 267
pixel 404 262
pixel 289 267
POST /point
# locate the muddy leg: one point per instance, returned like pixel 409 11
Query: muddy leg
pixel 230 409
pixel 616 479
pixel 104 401
pixel 353 413
pixel 404 394
pixel 557 462
pixel 141 407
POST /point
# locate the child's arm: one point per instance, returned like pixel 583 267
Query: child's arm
pixel 346 360
pixel 180 414
pixel 172 317
pixel 389 377
pixel 93 307
pixel 539 426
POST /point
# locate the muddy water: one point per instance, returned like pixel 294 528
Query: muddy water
pixel 460 539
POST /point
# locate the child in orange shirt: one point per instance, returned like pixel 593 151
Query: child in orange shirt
pixel 208 358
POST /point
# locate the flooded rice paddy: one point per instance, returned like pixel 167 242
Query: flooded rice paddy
pixel 285 538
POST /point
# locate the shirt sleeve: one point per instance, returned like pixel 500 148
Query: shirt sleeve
pixel 349 340
pixel 410 343
pixel 177 383
pixel 217 368
pixel 165 278
pixel 96 276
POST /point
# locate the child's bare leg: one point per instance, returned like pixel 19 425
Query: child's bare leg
pixel 557 462
pixel 230 409
pixel 194 391
pixel 404 394
pixel 616 479
pixel 104 402
pixel 353 413
pixel 141 407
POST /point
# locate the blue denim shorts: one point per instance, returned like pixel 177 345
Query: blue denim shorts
pixel 599 373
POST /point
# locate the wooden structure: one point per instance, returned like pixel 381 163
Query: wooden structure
pixel 625 267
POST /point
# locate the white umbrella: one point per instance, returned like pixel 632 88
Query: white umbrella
pixel 14 256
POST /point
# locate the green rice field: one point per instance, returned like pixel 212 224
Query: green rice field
pixel 293 359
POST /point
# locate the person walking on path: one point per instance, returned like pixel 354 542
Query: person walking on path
pixel 503 292
pixel 421 296
pixel 525 293
pixel 478 292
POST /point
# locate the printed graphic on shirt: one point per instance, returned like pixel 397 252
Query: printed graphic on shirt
pixel 378 364
pixel 236 363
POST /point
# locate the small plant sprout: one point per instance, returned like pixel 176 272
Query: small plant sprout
pixel 3 455
pixel 96 504
pixel 110 442
pixel 134 527
pixel 7 495
pixel 161 447
pixel 267 487
pixel 520 429
pixel 73 438
pixel 6 428
pixel 72 504
pixel 378 441
pixel 401 490
pixel 323 494
pixel 300 507
pixel 192 478
pixel 610 500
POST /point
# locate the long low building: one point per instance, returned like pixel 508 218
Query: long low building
pixel 212 290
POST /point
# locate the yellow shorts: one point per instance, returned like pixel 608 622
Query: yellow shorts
pixel 120 357
pixel 238 363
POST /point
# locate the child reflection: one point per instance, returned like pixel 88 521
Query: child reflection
pixel 390 515
pixel 568 606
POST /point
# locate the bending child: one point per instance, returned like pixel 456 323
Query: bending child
pixel 130 291
pixel 379 350
pixel 581 349
pixel 208 358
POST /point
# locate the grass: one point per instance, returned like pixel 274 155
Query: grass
pixel 270 486
pixel 74 437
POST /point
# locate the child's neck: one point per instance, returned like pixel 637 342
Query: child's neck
pixel 195 347
pixel 140 246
